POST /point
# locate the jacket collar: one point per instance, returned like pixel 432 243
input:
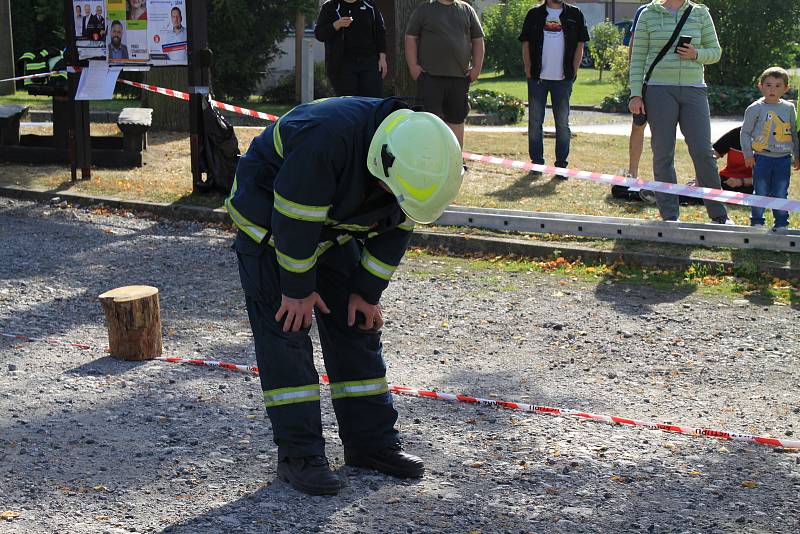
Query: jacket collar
pixel 658 6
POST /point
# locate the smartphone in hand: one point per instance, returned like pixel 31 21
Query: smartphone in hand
pixel 683 40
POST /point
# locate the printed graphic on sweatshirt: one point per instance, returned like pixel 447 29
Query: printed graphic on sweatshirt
pixel 776 129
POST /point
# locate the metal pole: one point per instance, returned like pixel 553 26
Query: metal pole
pixel 6 48
pixel 199 81
pixel 613 11
pixel 299 30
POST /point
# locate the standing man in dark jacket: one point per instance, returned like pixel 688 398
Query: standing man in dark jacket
pixel 552 37
pixel 325 201
pixel 355 46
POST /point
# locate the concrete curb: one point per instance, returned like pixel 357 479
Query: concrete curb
pixel 436 241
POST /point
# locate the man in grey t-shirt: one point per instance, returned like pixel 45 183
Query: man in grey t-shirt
pixel 444 51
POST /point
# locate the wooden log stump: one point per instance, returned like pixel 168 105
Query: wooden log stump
pixel 133 318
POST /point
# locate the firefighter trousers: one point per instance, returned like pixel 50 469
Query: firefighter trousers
pixel 289 380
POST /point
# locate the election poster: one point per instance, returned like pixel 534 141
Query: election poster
pixel 131 32
pixel 90 28
pixel 167 32
pixel 126 40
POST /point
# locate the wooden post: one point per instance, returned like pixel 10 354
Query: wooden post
pixel 133 319
pixel 6 48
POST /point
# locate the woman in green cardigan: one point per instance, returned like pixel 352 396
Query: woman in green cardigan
pixel 677 94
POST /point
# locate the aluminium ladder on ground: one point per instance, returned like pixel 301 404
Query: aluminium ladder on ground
pixel 683 233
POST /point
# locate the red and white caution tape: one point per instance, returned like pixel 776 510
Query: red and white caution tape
pixel 155 89
pixel 244 111
pixel 719 195
pixel 530 408
pixel 32 76
pixel 215 103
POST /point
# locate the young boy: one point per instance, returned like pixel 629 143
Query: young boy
pixel 769 142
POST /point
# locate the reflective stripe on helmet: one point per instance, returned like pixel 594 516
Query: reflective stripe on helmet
pixel 359 388
pixel 301 212
pixel 294 395
pixel 376 267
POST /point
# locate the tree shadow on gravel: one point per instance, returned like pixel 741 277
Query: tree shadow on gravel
pixel 106 366
pixel 82 255
pixel 638 299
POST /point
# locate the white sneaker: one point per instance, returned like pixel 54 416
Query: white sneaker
pixel 647 196
pixel 725 221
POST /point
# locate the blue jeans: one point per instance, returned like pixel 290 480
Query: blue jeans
pixel 560 91
pixel 771 179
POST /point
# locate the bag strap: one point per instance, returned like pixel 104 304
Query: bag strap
pixel 669 44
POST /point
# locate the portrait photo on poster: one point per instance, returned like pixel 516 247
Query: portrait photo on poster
pixel 167 32
pixel 91 28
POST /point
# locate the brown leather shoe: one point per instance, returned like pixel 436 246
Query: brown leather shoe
pixel 390 460
pixel 309 474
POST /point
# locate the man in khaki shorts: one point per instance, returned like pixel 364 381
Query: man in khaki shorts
pixel 444 52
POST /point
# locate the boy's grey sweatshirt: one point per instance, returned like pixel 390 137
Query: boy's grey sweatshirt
pixel 770 130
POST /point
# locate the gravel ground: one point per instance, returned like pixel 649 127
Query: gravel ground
pixel 91 444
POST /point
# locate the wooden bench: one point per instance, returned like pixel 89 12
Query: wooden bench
pixel 9 123
pixel 134 123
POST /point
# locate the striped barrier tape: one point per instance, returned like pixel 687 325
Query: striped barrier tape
pixel 31 76
pixel 719 195
pixel 530 408
pixel 706 193
pixel 215 103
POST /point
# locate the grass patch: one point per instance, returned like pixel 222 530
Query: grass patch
pixel 587 90
pixel 697 278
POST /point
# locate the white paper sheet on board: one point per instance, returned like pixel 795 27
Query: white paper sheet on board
pixel 97 82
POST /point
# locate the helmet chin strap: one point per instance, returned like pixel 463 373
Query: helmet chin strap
pixel 387 159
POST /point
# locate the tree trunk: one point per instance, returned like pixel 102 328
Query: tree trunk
pixel 6 48
pixel 169 113
pixel 404 85
pixel 133 318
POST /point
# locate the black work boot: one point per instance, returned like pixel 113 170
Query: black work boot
pixel 390 460
pixel 309 474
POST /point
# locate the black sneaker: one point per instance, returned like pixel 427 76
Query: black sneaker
pixel 533 175
pixel 391 461
pixel 722 220
pixel 309 474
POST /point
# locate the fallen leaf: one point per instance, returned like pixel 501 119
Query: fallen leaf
pixel 102 518
pixel 392 500
pixel 695 473
pixel 749 484
pixel 551 491
pixel 8 515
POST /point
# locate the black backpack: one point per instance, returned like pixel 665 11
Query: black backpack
pixel 219 153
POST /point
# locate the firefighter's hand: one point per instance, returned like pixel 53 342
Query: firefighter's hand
pixel 373 319
pixel 296 313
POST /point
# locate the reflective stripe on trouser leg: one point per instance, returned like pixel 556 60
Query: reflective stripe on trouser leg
pixel 285 360
pixel 353 359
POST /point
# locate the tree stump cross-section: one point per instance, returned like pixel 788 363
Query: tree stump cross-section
pixel 133 318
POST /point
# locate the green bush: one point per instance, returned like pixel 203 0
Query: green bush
pixel 283 93
pixel 722 99
pixel 502 24
pixel 754 35
pixel 508 109
pixel 619 66
pixel 603 44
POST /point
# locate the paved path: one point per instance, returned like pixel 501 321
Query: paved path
pixel 620 126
